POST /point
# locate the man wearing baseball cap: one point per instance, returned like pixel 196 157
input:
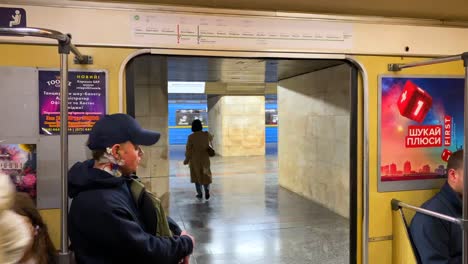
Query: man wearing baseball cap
pixel 105 223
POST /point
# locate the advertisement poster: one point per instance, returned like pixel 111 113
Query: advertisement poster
pixel 421 124
pixel 185 117
pixel 271 116
pixel 19 161
pixel 86 101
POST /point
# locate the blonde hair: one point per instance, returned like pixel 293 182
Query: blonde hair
pixel 42 246
pixel 15 232
pixel 7 192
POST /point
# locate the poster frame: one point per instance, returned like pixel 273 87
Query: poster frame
pixel 4 173
pixel 266 119
pixel 189 124
pixel 393 186
pixel 106 88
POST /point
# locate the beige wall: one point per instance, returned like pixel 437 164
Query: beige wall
pixel 238 124
pixel 215 123
pixel 313 136
pixel 151 111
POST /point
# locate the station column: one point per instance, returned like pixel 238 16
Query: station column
pixel 238 124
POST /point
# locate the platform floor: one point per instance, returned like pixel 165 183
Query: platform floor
pixel 250 219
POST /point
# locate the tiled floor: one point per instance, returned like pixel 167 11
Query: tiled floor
pixel 250 220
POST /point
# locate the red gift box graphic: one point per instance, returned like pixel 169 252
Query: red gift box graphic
pixel 446 154
pixel 414 103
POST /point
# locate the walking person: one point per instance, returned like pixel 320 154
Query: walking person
pixel 198 158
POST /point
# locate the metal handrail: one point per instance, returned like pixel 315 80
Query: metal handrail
pixel 34 32
pixel 396 204
pixel 43 33
pixel 399 67
pixel 65 47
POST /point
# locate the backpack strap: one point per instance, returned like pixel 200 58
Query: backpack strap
pixel 145 201
pixel 137 188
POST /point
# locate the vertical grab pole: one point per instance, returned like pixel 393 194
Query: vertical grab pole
pixel 465 162
pixel 64 146
pixel 64 50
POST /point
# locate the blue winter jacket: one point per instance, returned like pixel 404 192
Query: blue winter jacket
pixel 439 241
pixel 105 226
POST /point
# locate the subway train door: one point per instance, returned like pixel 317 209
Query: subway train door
pixel 312 194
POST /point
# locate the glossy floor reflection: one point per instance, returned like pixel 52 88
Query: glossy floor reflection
pixel 249 219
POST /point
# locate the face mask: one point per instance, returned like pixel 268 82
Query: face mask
pixel 115 164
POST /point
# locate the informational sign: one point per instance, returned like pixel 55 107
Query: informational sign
pixel 271 117
pixel 86 101
pixel 19 162
pixel 421 124
pixel 185 117
pixel 203 30
pixel 12 17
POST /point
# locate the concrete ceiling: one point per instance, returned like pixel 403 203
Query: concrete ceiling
pixel 432 9
pixel 234 70
pixel 240 76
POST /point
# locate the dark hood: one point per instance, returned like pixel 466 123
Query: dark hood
pixel 83 177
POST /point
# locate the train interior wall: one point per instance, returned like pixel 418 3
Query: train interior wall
pixel 380 215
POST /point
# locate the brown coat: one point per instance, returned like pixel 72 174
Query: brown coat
pixel 197 155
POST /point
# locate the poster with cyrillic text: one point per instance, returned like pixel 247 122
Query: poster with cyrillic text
pixel 86 101
pixel 421 125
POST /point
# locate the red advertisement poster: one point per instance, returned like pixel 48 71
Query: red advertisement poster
pixel 421 124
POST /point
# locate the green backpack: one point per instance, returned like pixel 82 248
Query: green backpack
pixel 150 208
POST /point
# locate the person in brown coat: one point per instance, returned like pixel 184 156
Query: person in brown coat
pixel 196 155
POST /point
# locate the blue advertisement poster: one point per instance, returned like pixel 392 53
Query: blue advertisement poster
pixel 86 101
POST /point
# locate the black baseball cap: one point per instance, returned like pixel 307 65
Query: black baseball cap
pixel 119 128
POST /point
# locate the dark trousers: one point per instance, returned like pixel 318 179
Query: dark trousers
pixel 205 186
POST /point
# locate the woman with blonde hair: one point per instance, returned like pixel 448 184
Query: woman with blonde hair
pixel 15 233
pixel 42 251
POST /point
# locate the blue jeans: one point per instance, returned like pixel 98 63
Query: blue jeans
pixel 205 186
